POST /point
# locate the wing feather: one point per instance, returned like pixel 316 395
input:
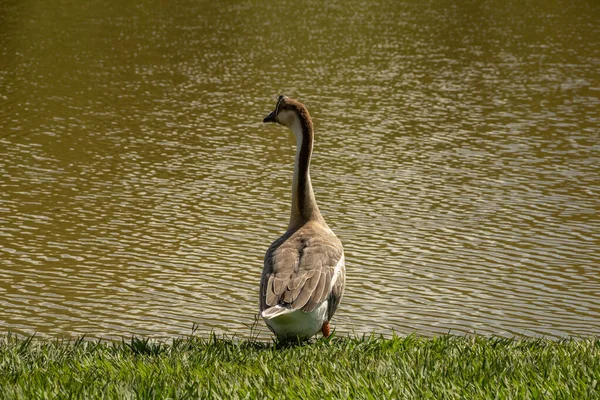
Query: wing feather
pixel 337 290
pixel 302 299
pixel 295 292
pixel 302 269
pixel 316 296
pixel 270 294
pixel 280 285
pixel 297 282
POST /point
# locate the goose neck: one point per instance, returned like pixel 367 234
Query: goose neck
pixel 304 205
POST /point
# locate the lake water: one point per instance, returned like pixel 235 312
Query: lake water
pixel 457 157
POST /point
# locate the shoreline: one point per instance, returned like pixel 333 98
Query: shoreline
pixel 338 367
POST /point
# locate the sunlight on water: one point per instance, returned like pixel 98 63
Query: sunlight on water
pixel 456 157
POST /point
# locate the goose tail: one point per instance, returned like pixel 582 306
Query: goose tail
pixel 276 311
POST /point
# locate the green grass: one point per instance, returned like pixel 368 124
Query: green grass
pixel 446 367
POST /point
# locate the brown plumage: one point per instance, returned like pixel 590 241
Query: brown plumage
pixel 304 270
pixel 299 268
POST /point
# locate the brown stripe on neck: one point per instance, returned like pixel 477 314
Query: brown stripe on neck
pixel 304 185
pixel 304 206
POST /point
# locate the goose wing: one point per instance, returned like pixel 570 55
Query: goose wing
pixel 303 270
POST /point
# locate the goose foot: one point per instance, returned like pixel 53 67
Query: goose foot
pixel 326 329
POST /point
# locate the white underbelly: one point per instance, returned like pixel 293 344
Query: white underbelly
pixel 297 323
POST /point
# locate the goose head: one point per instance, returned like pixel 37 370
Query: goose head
pixel 288 112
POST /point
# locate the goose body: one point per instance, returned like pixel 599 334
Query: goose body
pixel 304 270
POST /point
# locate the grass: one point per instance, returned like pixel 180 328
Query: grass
pixel 445 367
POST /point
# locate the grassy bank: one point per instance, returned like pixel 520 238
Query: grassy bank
pixel 403 367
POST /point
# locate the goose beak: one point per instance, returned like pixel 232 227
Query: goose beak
pixel 271 117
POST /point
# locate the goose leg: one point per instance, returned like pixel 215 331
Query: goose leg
pixel 326 329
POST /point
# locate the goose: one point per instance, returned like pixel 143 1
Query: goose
pixel 304 270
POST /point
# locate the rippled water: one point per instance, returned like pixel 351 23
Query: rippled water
pixel 457 157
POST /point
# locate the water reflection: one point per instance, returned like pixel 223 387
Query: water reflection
pixel 456 158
